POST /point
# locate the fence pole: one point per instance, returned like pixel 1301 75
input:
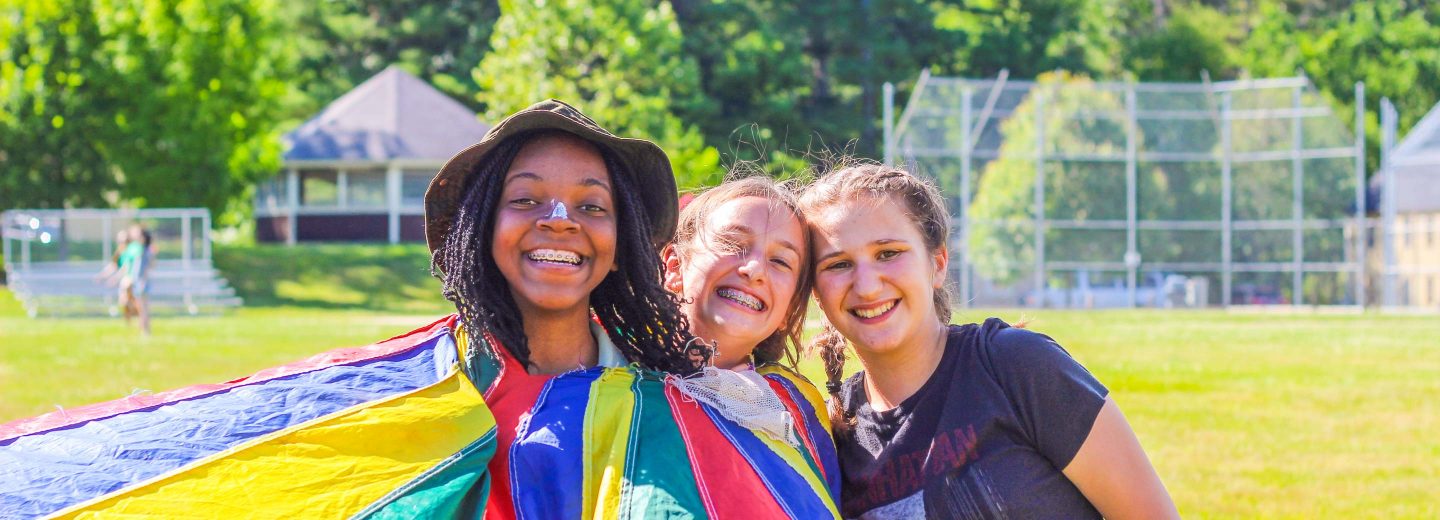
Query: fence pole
pixel 205 236
pixel 966 147
pixel 342 188
pixel 187 247
pixel 25 253
pixel 1039 210
pixel 1297 202
pixel 393 179
pixel 107 238
pixel 1388 123
pixel 292 199
pixel 1362 228
pixel 5 240
pixel 888 113
pixel 1226 204
pixel 1132 210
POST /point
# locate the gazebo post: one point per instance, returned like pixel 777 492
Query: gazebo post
pixel 292 203
pixel 392 201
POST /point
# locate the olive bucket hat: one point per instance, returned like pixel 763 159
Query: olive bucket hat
pixel 645 163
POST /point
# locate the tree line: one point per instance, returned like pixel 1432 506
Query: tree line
pixel 183 102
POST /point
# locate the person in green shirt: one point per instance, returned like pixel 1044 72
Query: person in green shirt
pixel 134 264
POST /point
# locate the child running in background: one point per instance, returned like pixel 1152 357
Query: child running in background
pixel 135 280
pixel 131 263
pixel 111 272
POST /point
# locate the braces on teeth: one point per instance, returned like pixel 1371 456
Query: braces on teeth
pixel 556 256
pixel 745 299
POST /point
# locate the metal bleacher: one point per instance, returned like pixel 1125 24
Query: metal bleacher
pixel 51 279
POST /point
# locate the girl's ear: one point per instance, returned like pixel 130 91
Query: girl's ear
pixel 670 259
pixel 941 259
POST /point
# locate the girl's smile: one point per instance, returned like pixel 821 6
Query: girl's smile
pixel 555 230
pixel 739 277
pixel 874 277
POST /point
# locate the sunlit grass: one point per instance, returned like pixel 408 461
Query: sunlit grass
pixel 50 363
pixel 1244 415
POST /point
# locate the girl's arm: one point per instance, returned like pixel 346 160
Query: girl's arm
pixel 1111 469
pixel 108 274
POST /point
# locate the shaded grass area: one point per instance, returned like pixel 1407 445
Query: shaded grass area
pixel 1244 415
pixel 375 277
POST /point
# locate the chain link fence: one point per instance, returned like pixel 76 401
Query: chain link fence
pixel 1068 192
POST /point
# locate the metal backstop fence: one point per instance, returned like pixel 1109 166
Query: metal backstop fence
pixel 1068 192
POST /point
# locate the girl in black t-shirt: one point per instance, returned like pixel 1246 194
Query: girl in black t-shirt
pixel 952 421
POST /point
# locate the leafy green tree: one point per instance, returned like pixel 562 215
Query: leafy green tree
pixel 853 49
pixel 51 81
pixel 1391 45
pixel 621 62
pixel 159 104
pixel 342 43
pixel 753 74
pixel 795 81
pixel 1181 44
pixel 1030 37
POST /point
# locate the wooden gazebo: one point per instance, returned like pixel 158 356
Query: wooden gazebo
pixel 358 170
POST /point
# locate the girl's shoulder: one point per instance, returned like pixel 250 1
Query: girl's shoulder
pixel 1003 347
pixel 786 373
pixel 1028 365
pixel 482 359
pixel 795 381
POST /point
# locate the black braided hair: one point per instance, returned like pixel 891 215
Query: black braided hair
pixel 644 318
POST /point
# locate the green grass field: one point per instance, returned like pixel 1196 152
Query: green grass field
pixel 1245 415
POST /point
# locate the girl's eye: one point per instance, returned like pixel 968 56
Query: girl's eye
pixel 592 208
pixel 523 202
pixel 887 254
pixel 780 262
pixel 728 245
pixel 836 266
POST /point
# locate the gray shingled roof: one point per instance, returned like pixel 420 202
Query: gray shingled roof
pixel 1417 166
pixel 391 116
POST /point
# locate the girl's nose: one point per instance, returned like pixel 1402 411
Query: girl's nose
pixel 753 268
pixel 558 218
pixel 867 282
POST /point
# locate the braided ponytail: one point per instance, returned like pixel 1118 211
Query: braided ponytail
pixel 830 346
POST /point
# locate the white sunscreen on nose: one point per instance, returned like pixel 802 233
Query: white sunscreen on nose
pixel 557 211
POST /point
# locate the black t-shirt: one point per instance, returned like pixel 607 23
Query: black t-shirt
pixel 985 437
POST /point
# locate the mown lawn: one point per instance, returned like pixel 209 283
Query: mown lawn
pixel 1245 415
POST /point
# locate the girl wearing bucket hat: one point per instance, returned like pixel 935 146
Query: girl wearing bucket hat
pixel 545 236
pixel 558 389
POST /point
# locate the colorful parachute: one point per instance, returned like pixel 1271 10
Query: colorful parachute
pixel 396 429
pixel 386 430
